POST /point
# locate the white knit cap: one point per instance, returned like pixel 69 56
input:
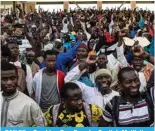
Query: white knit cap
pixel 102 71
pixel 48 47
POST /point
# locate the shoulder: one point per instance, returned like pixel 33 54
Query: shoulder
pixel 52 109
pixel 60 73
pixel 27 66
pixel 115 93
pixel 39 73
pixel 27 100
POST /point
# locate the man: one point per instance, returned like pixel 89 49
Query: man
pixel 47 83
pixel 131 108
pixel 24 71
pixel 64 59
pixel 17 109
pixel 46 47
pixel 100 95
pixel 102 63
pixel 58 46
pixel 139 55
pixel 82 53
pixel 30 56
pixel 73 112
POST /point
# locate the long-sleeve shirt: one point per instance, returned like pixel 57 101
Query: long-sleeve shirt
pixel 65 58
pixel 65 26
pixel 90 95
pixel 20 110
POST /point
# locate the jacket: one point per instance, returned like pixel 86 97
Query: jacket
pixel 20 110
pixel 64 58
pixel 37 83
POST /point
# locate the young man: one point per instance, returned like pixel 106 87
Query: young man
pixel 102 63
pixel 30 56
pixel 17 109
pixel 139 55
pixel 47 83
pixel 131 108
pixel 58 46
pixel 103 78
pixel 73 112
pixel 81 54
pixel 24 71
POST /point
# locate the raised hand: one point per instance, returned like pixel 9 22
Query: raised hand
pixel 137 50
pixel 79 36
pixel 91 59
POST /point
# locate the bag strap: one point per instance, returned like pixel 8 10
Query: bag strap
pixel 115 109
pixel 88 112
pixel 55 111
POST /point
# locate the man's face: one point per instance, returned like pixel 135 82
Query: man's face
pixel 30 57
pixel 82 53
pixel 58 44
pixel 74 101
pixel 91 44
pixel 14 49
pixel 130 83
pixel 102 61
pixel 50 61
pixel 34 30
pixel 9 81
pixel 103 82
pixel 137 63
pixel 84 36
pixel 65 21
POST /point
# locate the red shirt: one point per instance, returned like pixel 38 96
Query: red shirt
pixel 109 39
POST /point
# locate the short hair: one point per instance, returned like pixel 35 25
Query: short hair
pixel 101 53
pixel 66 87
pixel 6 51
pixel 11 40
pixel 5 66
pixel 123 70
pixel 50 52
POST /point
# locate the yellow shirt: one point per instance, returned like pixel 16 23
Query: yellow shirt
pixel 80 119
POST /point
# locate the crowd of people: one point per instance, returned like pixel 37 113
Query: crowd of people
pixel 78 68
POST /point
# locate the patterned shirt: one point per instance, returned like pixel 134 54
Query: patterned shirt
pixel 80 119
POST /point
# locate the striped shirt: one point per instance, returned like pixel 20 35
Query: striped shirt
pixel 129 114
